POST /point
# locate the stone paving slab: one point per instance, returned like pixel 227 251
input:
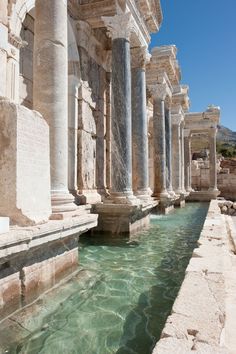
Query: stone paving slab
pixel 203 318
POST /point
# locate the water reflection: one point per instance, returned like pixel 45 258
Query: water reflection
pixel 126 290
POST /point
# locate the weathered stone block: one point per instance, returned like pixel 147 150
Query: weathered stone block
pixel 10 294
pixel 37 278
pixel 65 264
pixel 24 165
pixel 85 117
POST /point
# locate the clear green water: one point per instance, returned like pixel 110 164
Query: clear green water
pixel 126 292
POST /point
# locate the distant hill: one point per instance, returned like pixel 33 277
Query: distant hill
pixel 226 139
pixel 225 135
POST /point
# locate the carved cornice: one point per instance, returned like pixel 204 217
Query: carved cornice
pixel 139 57
pixel 119 26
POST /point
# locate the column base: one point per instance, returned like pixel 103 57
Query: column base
pixel 63 205
pixel 122 198
pixel 88 196
pixel 123 219
pixel 144 194
pixel 180 201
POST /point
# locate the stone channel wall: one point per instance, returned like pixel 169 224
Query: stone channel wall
pixel 201 318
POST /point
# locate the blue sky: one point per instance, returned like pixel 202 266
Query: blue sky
pixel 204 32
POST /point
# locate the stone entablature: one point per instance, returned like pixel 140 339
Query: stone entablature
pixel 164 60
pixel 204 120
pixel 180 96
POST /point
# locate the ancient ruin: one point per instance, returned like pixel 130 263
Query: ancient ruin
pixel 95 134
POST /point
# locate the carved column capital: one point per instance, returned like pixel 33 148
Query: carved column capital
pixel 158 91
pixel 212 132
pixel 187 133
pixel 177 119
pixel 119 26
pixel 139 57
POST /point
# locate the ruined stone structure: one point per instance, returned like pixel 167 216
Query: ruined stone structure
pixel 95 133
pixel 202 123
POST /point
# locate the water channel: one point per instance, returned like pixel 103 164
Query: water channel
pixel 126 290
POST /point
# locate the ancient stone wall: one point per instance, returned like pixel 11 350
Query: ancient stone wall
pixel 24 165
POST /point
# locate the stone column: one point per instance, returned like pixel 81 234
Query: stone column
pixel 182 156
pixel 139 124
pixel 3 47
pixel 51 92
pixel 176 156
pixel 73 97
pixel 169 151
pixel 121 150
pixel 213 160
pixel 187 160
pixel 159 141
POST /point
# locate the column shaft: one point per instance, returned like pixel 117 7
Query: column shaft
pixel 182 157
pixel 168 150
pixel 187 162
pixel 121 151
pixel 213 161
pixel 139 133
pixel 51 92
pixel 176 158
pixel 159 148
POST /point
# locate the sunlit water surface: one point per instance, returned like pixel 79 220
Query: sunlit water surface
pixel 127 290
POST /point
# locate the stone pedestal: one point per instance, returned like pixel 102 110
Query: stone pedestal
pixel 34 259
pixel 123 219
pixel 139 125
pixel 51 93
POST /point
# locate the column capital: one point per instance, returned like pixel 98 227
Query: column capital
pixel 159 91
pixel 212 132
pixel 187 133
pixel 119 26
pixel 177 119
pixel 139 57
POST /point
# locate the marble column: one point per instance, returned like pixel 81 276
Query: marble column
pixel 50 92
pixel 73 97
pixel 213 160
pixel 182 156
pixel 168 125
pixel 187 160
pixel 140 170
pixel 176 154
pixel 3 47
pixel 121 148
pixel 159 140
